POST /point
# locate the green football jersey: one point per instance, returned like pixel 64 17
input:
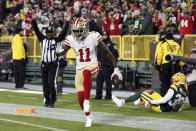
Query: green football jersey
pixel 176 102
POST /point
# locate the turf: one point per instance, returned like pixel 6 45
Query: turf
pixel 69 101
pixel 59 124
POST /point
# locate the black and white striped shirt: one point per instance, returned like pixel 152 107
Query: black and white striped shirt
pixel 48 49
pixel 48 46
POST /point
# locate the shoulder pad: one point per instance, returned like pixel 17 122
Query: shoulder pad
pixel 174 87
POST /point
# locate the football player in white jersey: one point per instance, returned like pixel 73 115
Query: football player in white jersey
pixel 84 44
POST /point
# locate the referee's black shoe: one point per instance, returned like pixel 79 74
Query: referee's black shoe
pixel 96 97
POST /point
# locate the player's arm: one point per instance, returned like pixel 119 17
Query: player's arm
pixel 108 54
pixel 165 99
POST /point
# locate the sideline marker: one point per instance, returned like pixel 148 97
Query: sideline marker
pixel 25 110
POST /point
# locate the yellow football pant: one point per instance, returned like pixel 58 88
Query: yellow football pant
pixel 149 95
pixel 79 78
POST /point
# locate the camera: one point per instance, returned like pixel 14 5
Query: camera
pixel 187 68
pixel 190 64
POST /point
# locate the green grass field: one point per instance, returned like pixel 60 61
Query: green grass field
pixel 69 101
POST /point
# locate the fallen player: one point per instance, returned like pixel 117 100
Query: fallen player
pixel 172 101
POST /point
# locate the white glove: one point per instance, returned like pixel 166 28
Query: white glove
pixel 59 49
pixel 147 104
pixel 117 72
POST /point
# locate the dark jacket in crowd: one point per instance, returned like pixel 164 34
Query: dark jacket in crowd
pixel 147 25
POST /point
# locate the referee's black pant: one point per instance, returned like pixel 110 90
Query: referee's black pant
pixel 48 78
pixel 19 72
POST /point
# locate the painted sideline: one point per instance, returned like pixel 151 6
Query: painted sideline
pixel 24 91
pixel 150 123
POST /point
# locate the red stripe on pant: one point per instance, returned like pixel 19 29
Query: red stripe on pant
pixel 81 101
pixel 87 84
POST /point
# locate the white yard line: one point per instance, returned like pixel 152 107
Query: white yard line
pixel 151 123
pixel 24 91
pixel 29 124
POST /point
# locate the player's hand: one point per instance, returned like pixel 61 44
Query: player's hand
pixel 147 104
pixel 117 72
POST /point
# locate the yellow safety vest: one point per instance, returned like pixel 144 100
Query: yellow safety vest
pixel 18 51
pixel 168 47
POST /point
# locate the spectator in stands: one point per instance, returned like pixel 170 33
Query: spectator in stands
pixel 186 22
pixel 99 21
pixel 105 25
pixel 113 21
pixel 137 22
pixel 18 22
pixel 147 23
pixel 157 21
pixel 173 29
pixel 19 59
pixel 177 37
pixel 127 23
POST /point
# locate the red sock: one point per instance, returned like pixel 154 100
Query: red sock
pixel 87 84
pixel 81 99
pixel 87 113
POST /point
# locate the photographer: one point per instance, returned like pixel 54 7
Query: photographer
pixel 167 68
pixel 191 80
pixel 161 41
pixel 189 69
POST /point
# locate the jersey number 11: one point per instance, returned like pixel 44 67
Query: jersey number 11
pixel 87 50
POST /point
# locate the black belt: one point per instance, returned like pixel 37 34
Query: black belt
pixel 47 63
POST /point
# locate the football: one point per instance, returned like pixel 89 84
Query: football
pixel 115 81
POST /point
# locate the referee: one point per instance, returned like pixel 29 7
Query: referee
pixel 49 64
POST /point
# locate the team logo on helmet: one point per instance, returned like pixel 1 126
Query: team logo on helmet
pixel 79 29
pixel 179 79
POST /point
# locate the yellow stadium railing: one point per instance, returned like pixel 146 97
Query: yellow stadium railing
pixel 130 47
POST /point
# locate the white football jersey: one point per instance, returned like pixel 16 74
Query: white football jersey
pixel 85 50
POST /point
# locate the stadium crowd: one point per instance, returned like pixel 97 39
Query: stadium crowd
pixel 120 17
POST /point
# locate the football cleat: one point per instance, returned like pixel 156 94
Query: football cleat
pixel 118 102
pixel 86 105
pixel 89 121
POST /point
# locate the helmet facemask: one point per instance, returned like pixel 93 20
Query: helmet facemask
pixel 79 34
pixel 79 29
pixel 179 79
